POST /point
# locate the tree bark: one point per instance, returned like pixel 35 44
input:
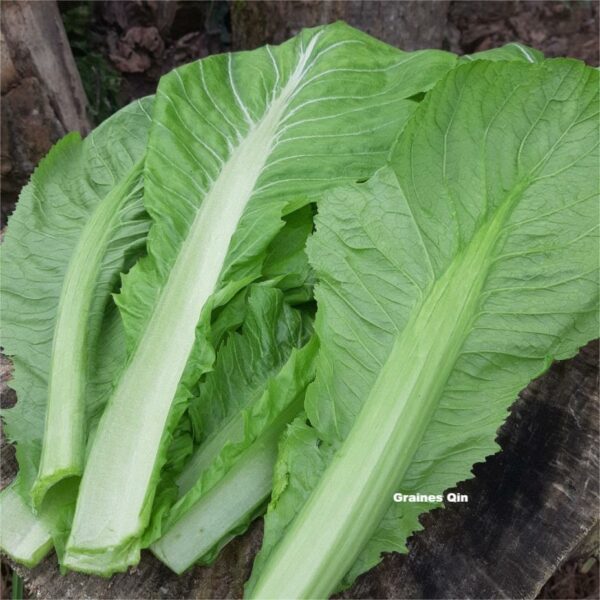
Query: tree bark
pixel 42 94
pixel 409 25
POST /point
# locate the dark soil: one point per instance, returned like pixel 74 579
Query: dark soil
pixel 138 42
pixel 576 578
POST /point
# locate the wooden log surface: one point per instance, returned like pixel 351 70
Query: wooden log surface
pixel 529 507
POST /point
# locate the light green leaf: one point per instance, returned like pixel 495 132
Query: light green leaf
pixel 77 225
pixel 447 283
pixel 257 387
pixel 244 364
pixel 237 141
pixel 30 537
pixel 286 259
pixel 513 51
pixel 286 266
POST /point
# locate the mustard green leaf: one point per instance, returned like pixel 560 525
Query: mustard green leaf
pixel 256 388
pixel 446 283
pixel 514 51
pixel 278 126
pixel 78 223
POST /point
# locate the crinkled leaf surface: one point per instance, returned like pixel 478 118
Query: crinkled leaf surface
pixel 245 362
pixel 237 141
pixel 447 283
pixel 49 247
pixel 77 225
pixel 286 259
pixel 256 388
pixel 243 372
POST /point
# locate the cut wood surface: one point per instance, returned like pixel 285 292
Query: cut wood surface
pixel 529 507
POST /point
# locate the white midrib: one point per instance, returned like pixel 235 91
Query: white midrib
pixel 223 508
pixel 193 531
pixel 24 537
pixel 115 485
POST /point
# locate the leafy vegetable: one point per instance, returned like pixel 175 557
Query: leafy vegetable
pixel 278 126
pixel 182 544
pixel 446 283
pixel 75 228
pixel 270 331
pixel 30 537
pixel 243 412
pixel 78 224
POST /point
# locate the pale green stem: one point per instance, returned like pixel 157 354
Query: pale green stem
pixel 24 536
pixel 64 430
pixel 356 490
pixel 122 469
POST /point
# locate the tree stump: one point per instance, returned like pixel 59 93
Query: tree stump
pixel 42 94
pixel 529 507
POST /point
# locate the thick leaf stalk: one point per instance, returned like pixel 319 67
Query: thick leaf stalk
pixel 447 282
pixel 279 128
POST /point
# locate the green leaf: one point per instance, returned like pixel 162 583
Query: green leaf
pixel 77 225
pixel 447 283
pixel 286 260
pixel 286 266
pixel 234 389
pixel 511 52
pixel 244 364
pixel 237 141
pixel 257 387
pixel 30 537
pixel 254 349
